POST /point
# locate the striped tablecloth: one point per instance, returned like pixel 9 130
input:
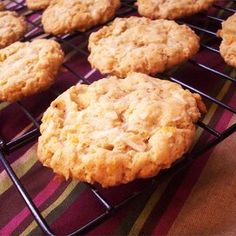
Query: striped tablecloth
pixel 200 200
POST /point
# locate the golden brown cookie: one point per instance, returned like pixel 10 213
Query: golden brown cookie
pixel 171 9
pixel 117 130
pixel 12 27
pixel 38 4
pixel 138 44
pixel 27 68
pixel 228 45
pixel 64 16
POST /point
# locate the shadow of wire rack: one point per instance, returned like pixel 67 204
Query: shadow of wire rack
pixel 207 69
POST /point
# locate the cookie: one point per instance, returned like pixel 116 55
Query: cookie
pixel 138 44
pixel 228 44
pixel 117 130
pixel 27 68
pixel 67 16
pixel 38 4
pixel 12 27
pixel 171 9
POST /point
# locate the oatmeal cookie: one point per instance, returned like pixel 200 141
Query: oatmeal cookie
pixel 138 44
pixel 12 27
pixel 27 68
pixel 171 9
pixel 228 45
pixel 117 130
pixel 38 4
pixel 67 16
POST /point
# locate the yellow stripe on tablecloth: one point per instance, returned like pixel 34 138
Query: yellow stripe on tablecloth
pixel 3 105
pixel 21 166
pixel 135 230
pixel 148 209
pixel 47 211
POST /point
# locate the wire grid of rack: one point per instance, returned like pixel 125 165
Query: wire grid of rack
pixel 67 41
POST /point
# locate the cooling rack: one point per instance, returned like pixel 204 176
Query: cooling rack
pixel 205 24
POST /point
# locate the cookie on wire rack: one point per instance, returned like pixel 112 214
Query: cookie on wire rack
pixel 27 68
pixel 171 9
pixel 138 44
pixel 38 4
pixel 228 44
pixel 12 27
pixel 64 16
pixel 117 130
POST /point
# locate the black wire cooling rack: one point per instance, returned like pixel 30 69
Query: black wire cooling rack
pixel 210 44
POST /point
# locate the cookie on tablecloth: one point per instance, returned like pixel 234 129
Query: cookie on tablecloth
pixel 171 9
pixel 64 16
pixel 12 27
pixel 27 68
pixel 228 44
pixel 117 130
pixel 38 4
pixel 138 44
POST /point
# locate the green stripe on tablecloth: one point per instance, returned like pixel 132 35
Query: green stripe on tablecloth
pixel 21 166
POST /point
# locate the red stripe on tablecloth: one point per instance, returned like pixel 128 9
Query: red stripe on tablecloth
pixel 38 200
pixel 178 199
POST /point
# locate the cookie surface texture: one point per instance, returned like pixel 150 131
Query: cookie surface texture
pixel 27 68
pixel 171 9
pixel 138 44
pixel 38 4
pixel 12 27
pixel 228 44
pixel 117 130
pixel 64 16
